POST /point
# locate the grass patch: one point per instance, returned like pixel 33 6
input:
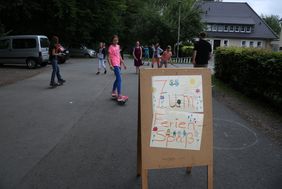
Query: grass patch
pixel 224 89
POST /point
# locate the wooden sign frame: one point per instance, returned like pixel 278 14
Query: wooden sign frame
pixel 161 158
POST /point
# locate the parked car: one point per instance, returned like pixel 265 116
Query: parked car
pixel 79 50
pixel 64 54
pixel 31 50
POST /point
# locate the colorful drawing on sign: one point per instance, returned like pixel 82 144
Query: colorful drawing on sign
pixel 182 93
pixel 174 129
pixel 177 112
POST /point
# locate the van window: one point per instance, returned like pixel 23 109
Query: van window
pixel 44 42
pixel 23 43
pixel 4 44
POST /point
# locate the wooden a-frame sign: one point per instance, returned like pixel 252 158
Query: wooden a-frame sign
pixel 168 154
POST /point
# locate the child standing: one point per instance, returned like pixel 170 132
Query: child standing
pixel 146 54
pixel 137 55
pixel 101 58
pixel 115 61
pixel 166 56
pixel 156 55
pixel 53 56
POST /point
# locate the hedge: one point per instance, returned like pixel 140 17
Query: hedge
pixel 186 51
pixel 254 72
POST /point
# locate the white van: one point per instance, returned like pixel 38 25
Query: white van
pixel 31 50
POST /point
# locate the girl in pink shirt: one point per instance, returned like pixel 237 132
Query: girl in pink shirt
pixel 115 62
pixel 166 56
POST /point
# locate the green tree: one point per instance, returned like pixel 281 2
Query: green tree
pixel 273 22
pixel 158 21
pixel 190 18
pixel 18 15
pixel 90 21
pixel 108 17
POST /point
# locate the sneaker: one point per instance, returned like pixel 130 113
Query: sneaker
pixel 114 95
pixel 61 81
pixel 54 84
pixel 97 73
pixel 105 72
pixel 122 98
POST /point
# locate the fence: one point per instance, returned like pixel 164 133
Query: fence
pixel 182 60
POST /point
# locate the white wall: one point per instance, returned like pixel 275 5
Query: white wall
pixel 238 42
pixel 277 44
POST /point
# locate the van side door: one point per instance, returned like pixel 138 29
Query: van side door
pixel 44 48
pixel 23 48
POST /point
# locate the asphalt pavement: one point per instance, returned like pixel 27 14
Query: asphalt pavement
pixel 76 137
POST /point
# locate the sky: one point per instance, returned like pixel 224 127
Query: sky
pixel 265 7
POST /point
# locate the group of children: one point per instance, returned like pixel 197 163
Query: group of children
pixel 159 56
pixel 115 61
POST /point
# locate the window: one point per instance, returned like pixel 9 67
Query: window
pixel 4 44
pixel 220 28
pixel 231 29
pixel 209 27
pixel 259 44
pixel 248 29
pixel 23 43
pixel 243 29
pixel 251 44
pixel 236 28
pixel 225 28
pixel 44 42
pixel 243 43
pixel 214 28
pixel 225 43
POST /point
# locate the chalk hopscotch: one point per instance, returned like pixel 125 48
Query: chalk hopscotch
pixel 177 112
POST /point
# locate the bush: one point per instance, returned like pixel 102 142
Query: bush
pixel 186 51
pixel 255 72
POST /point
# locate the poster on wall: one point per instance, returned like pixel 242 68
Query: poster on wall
pixel 177 112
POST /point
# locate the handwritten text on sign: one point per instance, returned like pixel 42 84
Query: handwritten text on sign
pixel 177 112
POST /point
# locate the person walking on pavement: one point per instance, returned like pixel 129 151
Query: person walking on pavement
pixel 166 56
pixel 115 60
pixel 53 56
pixel 101 58
pixel 137 55
pixel 201 52
pixel 146 54
pixel 156 55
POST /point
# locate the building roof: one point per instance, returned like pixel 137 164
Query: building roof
pixel 237 14
pixel 228 20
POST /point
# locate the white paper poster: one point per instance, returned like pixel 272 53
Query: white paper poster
pixel 177 112
pixel 178 93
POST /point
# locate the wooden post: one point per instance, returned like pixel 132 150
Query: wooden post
pixel 139 151
pixel 139 161
pixel 210 176
pixel 144 179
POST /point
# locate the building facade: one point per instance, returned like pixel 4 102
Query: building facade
pixel 235 24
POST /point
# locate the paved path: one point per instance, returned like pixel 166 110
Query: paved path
pixel 75 137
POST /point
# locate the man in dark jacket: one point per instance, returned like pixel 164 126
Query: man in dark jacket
pixel 202 51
